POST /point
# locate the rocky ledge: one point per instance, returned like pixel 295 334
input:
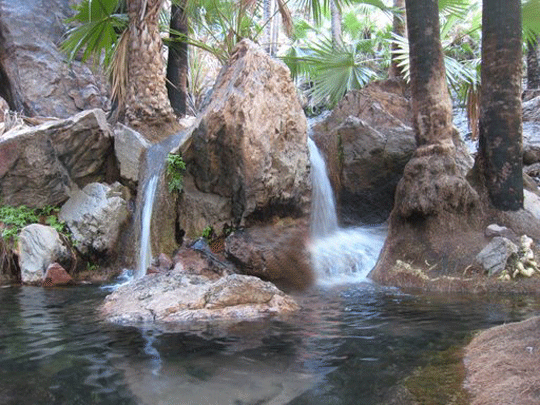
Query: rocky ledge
pixel 176 297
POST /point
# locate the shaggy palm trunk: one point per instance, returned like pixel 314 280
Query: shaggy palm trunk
pixel 433 201
pixel 146 99
pixel 500 142
pixel 399 28
pixel 533 66
pixel 177 64
pixel 336 24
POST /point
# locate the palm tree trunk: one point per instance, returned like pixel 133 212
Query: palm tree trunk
pixel 500 136
pixel 146 100
pixel 399 28
pixel 336 18
pixel 177 63
pixel 533 66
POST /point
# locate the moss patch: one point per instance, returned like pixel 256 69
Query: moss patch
pixel 441 381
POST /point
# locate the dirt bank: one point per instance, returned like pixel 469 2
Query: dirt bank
pixel 503 365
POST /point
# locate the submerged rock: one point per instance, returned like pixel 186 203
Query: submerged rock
pixel 176 297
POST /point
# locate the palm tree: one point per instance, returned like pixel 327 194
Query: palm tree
pixel 533 65
pixel 399 28
pixel 146 94
pixel 432 199
pixel 177 62
pixel 500 143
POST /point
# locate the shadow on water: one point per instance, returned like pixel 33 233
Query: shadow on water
pixel 350 344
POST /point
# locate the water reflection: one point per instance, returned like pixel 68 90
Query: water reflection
pixel 350 344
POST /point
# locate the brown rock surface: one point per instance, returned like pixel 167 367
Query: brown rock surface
pixel 56 275
pixel 503 365
pixel 249 149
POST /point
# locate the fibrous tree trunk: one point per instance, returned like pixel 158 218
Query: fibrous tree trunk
pixel 433 201
pixel 399 27
pixel 533 66
pixel 146 99
pixel 177 63
pixel 336 17
pixel 500 137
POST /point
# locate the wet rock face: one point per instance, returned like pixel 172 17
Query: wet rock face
pixel 249 150
pixel 367 140
pixel 35 78
pixel 53 159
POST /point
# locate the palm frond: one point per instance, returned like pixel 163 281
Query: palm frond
pixel 531 20
pixel 118 69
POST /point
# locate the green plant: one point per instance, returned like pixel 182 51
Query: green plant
pixel 175 172
pixel 207 232
pixel 13 219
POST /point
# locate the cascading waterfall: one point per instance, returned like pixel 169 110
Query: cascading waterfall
pixel 154 165
pixel 338 255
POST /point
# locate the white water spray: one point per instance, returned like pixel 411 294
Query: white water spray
pixel 338 255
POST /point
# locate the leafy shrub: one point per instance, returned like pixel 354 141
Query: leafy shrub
pixel 175 172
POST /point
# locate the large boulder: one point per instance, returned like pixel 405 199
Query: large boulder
pixel 177 297
pixel 39 247
pixel 95 215
pixel 54 159
pixel 247 155
pixel 276 253
pixel 35 76
pixel 367 140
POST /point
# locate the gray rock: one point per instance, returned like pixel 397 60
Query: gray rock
pixel 39 246
pixel 95 216
pixel 54 158
pixel 497 230
pixel 176 297
pixel 129 148
pixel 494 256
pixel 35 73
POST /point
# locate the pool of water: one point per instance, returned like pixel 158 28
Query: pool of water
pixel 349 345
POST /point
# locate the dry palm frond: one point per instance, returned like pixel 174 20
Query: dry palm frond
pixel 118 70
pixel 473 110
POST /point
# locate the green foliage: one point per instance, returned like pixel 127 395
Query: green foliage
pixel 101 22
pixel 13 219
pixel 207 232
pixel 175 172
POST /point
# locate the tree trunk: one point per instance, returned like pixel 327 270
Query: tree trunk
pixel 500 137
pixel 177 64
pixel 533 66
pixel 336 24
pixel 433 201
pixel 146 100
pixel 399 28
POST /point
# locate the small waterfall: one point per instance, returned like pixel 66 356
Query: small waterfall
pixel 154 166
pixel 145 247
pixel 323 207
pixel 338 255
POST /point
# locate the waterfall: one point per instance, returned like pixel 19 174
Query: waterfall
pixel 338 255
pixel 153 168
pixel 323 207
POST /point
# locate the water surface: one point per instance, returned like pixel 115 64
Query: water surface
pixel 349 345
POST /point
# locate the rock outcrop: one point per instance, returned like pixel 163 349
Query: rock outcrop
pixel 367 140
pixel 95 216
pixel 36 79
pixel 247 156
pixel 39 247
pixel 176 297
pixel 42 165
